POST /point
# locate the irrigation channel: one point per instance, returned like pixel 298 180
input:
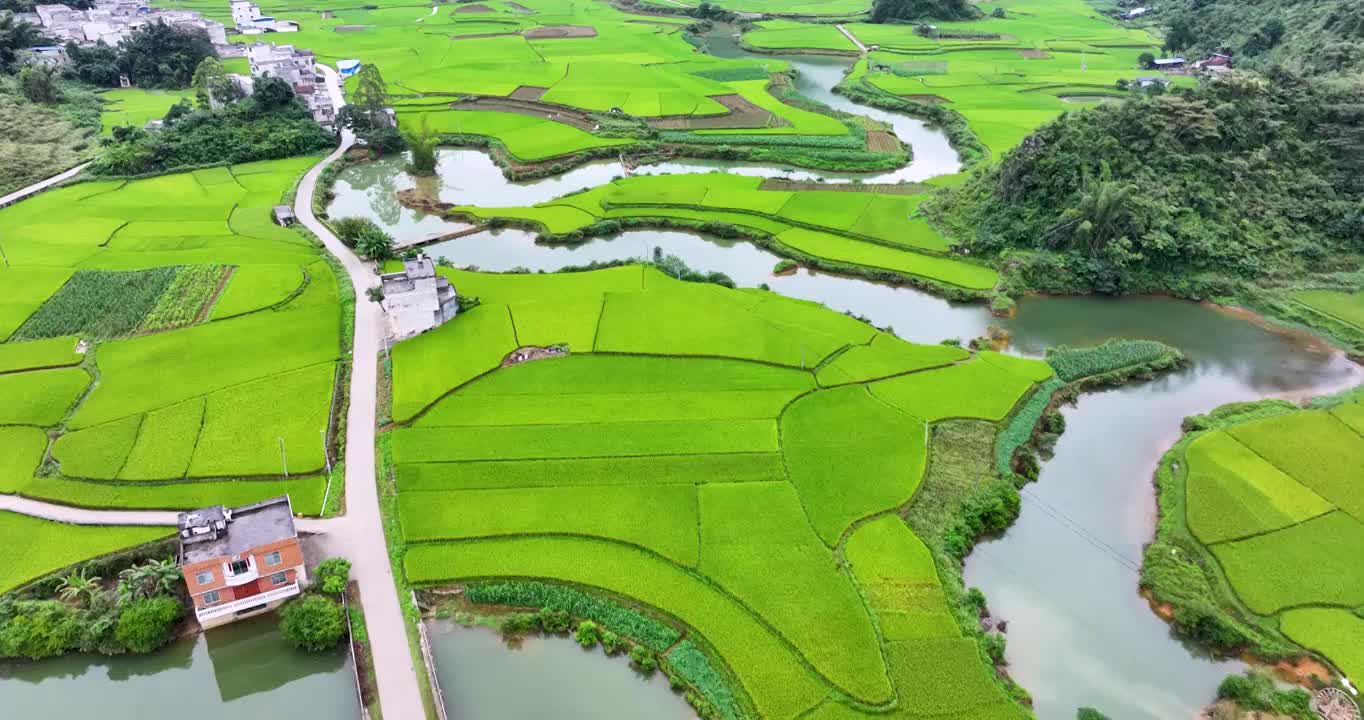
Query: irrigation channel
pixel 1065 575
pixel 242 670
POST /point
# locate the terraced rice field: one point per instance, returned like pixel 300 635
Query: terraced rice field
pixel 1277 500
pixel 559 58
pixel 1005 76
pixel 872 230
pixel 135 106
pixel 209 334
pixel 705 452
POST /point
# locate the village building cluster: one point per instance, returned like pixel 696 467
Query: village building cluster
pixel 297 67
pixel 110 21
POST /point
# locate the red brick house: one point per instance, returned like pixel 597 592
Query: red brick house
pixel 242 561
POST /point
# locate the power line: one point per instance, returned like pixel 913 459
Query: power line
pixel 1080 531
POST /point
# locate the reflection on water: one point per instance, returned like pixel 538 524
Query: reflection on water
pixel 241 670
pixel 482 679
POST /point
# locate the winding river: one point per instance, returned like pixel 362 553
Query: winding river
pixel 1065 575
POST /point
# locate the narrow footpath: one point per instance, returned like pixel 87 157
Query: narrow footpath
pixel 41 185
pixel 848 34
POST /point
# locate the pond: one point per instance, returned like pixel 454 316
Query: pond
pixel 241 670
pixel 482 678
pixel 1065 575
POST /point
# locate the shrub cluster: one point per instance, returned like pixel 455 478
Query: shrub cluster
pixel 79 613
pixel 313 622
pixel 574 602
pixel 1256 690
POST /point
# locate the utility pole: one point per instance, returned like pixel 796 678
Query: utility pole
pixel 4 256
pixel 283 459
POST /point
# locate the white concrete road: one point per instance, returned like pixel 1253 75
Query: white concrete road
pixel 361 531
pixel 848 34
pixel 37 187
pixel 359 535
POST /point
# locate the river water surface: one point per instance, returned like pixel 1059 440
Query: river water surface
pixel 1065 575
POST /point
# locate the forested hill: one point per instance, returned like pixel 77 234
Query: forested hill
pixel 1312 36
pixel 1254 178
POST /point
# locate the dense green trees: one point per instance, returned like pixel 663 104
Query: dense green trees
pixel 1325 36
pixel 163 56
pixel 79 613
pixel 15 35
pixel 313 622
pixel 889 11
pixel 1246 179
pixel 270 124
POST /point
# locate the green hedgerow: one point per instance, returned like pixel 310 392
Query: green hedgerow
pixel 313 623
pixel 147 624
pixel 643 660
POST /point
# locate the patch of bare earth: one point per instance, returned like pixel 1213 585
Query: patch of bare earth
pixel 518 7
pixel 473 9
pixel 349 28
pixel 531 108
pixel 480 35
pixel 928 99
pixel 739 113
pixel 1031 53
pixel 882 141
pixel 528 92
pixel 550 32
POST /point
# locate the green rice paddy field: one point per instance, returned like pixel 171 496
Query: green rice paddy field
pixel 1278 502
pixel 206 335
pixel 1005 76
pixel 635 465
pixel 38 547
pixel 135 106
pixel 862 228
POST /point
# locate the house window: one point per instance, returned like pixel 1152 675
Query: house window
pixel 239 567
pixel 210 597
pixel 203 577
pixel 273 558
pixel 279 578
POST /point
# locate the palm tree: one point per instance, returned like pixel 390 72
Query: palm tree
pixel 79 588
pixel 376 294
pixel 164 576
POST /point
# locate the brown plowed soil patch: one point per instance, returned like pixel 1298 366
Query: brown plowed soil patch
pixel 518 7
pixel 881 141
pixel 528 92
pixel 930 99
pixel 349 28
pixel 479 35
pixel 550 32
pixel 544 111
pixel 739 113
pixel 473 9
pixel 1039 54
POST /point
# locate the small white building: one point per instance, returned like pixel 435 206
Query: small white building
pixel 247 18
pixel 417 299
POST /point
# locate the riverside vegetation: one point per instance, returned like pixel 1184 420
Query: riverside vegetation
pixel 1260 530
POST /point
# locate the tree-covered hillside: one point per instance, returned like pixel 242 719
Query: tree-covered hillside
pixel 1253 178
pixel 1313 36
pixel 889 11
